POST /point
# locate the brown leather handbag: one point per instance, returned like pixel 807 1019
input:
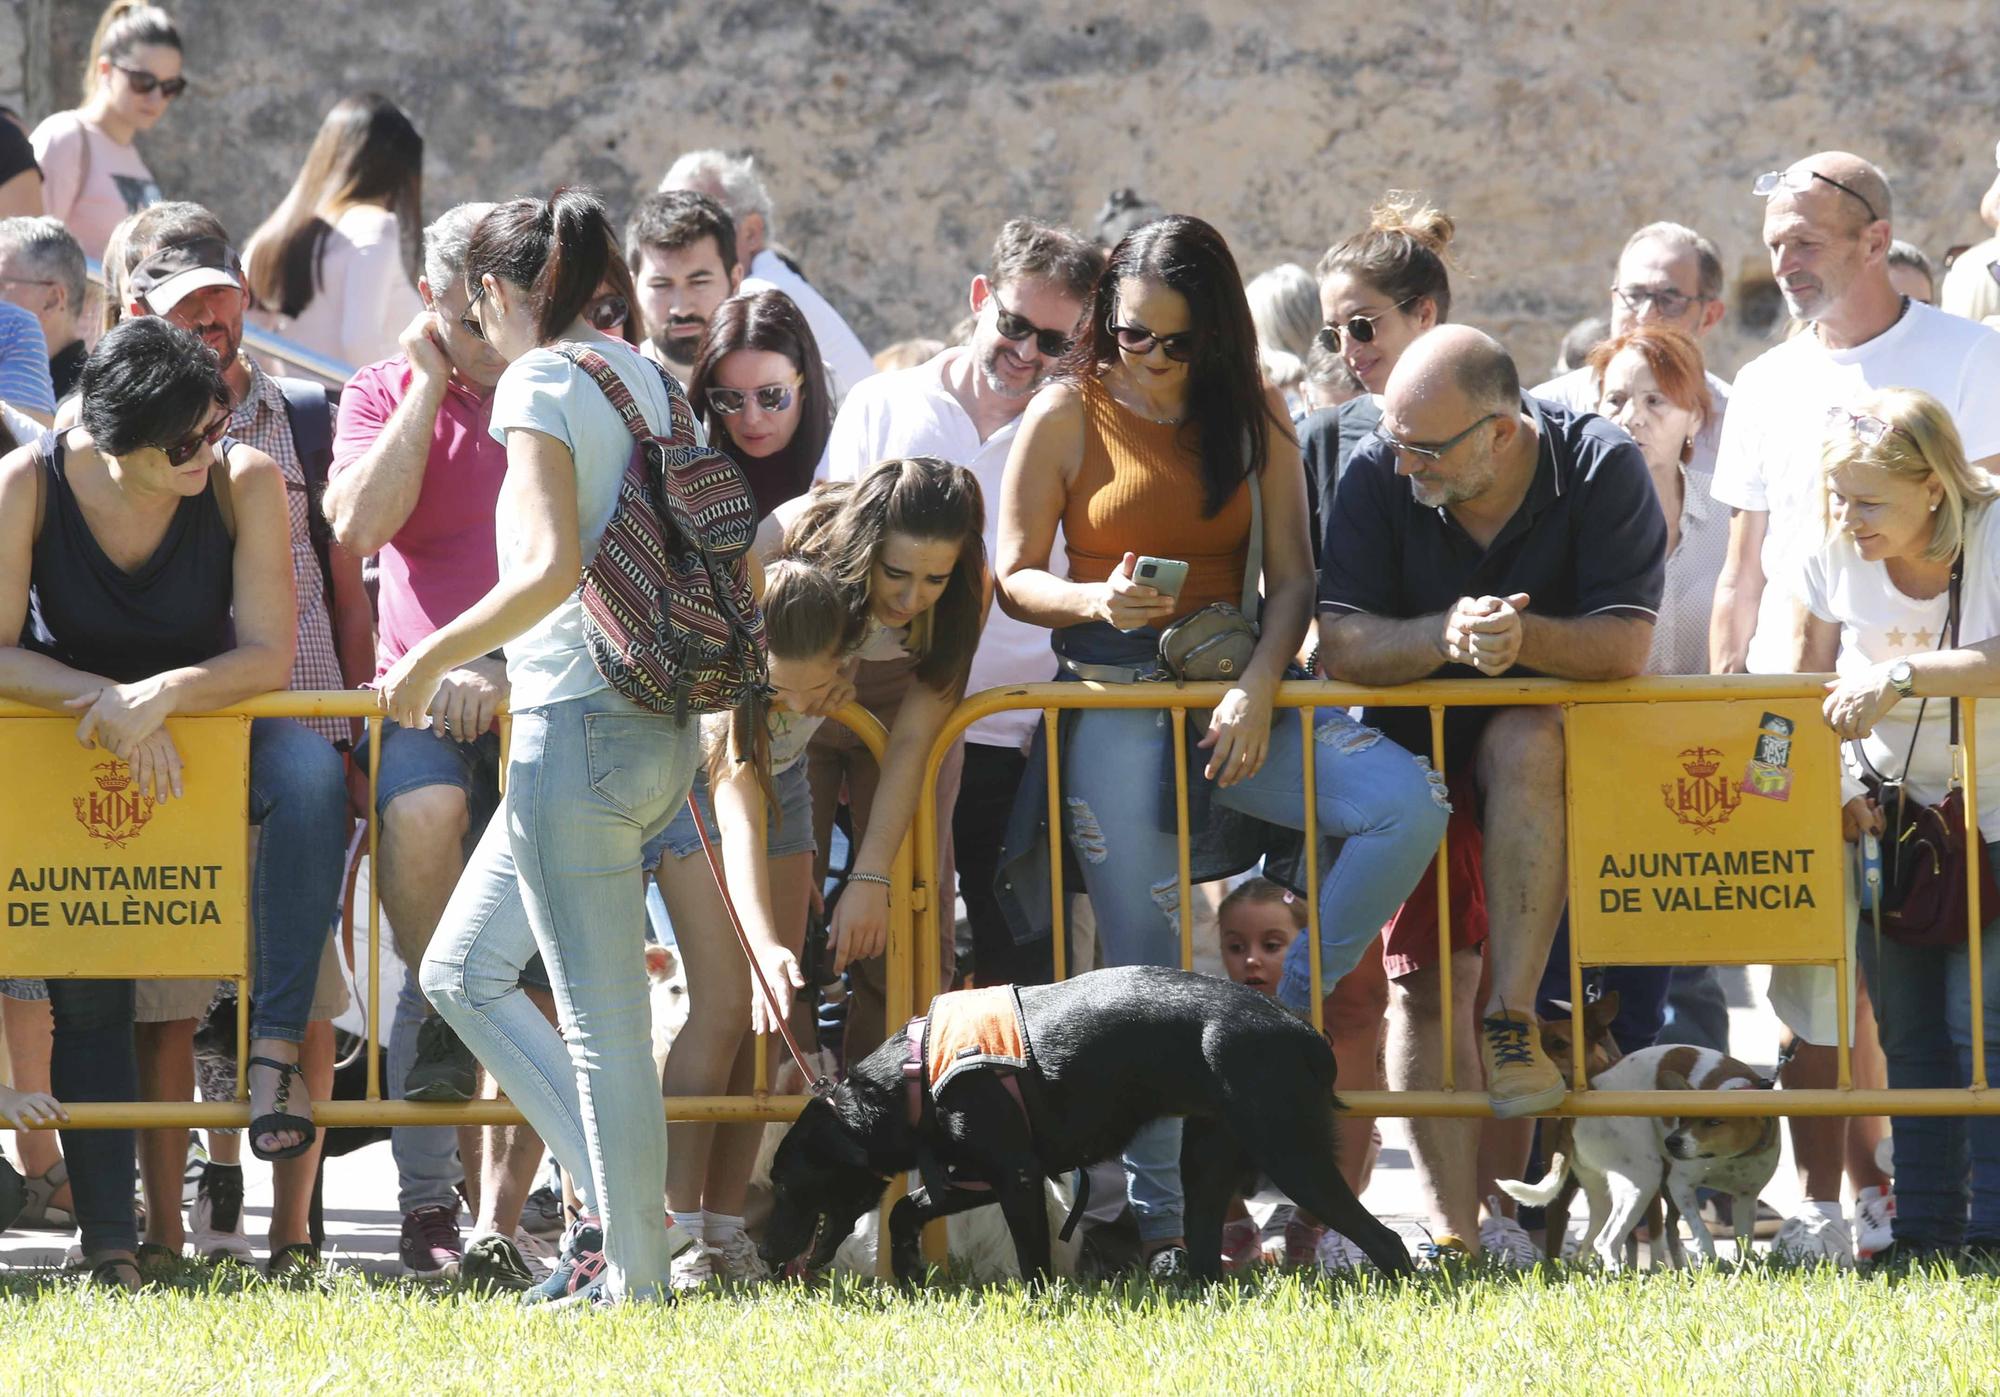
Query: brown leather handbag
pixel 1216 642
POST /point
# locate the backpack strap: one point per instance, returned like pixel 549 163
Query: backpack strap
pixel 611 385
pixel 309 414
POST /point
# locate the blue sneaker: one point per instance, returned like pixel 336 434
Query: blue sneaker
pixel 580 1263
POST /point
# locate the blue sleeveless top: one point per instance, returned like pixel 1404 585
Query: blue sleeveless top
pixel 90 614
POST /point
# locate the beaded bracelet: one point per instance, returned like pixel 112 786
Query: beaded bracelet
pixel 868 878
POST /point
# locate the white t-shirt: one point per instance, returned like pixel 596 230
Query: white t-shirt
pixel 364 297
pixel 839 346
pixel 912 413
pixel 1879 624
pixel 89 181
pixel 542 391
pixel 1777 418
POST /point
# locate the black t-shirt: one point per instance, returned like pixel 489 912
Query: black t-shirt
pixel 1588 540
pixel 1327 439
pixel 16 154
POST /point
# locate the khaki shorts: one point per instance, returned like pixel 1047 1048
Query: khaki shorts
pixel 169 1001
pixel 1806 998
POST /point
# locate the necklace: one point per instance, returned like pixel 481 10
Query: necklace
pixel 1136 411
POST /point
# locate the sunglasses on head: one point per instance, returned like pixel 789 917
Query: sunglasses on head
pixel 144 82
pixel 1359 328
pixel 1052 343
pixel 1138 341
pixel 607 313
pixel 181 452
pixel 1869 430
pixel 771 397
pixel 1799 181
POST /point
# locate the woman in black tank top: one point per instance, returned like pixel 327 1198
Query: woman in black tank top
pixel 145 571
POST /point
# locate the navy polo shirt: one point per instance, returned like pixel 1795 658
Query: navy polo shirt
pixel 1589 539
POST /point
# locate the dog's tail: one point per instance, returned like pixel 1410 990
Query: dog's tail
pixel 1544 1193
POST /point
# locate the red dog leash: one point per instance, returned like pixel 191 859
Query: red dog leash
pixel 821 1085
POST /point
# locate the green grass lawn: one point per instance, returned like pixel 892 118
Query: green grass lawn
pixel 1759 1331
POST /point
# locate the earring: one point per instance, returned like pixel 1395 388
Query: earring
pixel 1934 506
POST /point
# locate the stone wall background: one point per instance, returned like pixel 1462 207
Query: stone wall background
pixel 896 135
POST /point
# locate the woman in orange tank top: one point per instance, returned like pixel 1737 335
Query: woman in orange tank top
pixel 1148 445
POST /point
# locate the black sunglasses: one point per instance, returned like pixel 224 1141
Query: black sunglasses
pixel 1359 328
pixel 607 313
pixel 1138 341
pixel 469 322
pixel 186 450
pixel 1052 343
pixel 144 82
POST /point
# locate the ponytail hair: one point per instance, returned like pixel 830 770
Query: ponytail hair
pixel 1405 255
pixel 124 27
pixel 845 525
pixel 556 249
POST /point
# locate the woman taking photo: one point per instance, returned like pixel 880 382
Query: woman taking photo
pixel 91 175
pixel 335 266
pixel 760 388
pixel 153 556
pixel 591 776
pixel 1158 441
pixel 1902 602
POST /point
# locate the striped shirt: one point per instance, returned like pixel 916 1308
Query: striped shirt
pixel 24 362
pixel 260 421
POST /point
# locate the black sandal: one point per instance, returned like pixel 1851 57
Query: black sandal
pixel 297 1262
pixel 156 1262
pixel 272 1122
pixel 108 1274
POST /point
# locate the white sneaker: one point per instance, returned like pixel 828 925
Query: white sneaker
pixel 1506 1243
pixel 737 1258
pixel 694 1266
pixel 1874 1216
pixel 1812 1235
pixel 1337 1255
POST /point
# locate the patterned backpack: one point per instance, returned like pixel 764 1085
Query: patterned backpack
pixel 667 606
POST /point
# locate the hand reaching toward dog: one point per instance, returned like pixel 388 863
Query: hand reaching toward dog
pixel 782 974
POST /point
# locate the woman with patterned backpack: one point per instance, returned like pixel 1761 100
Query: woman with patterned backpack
pixel 610 485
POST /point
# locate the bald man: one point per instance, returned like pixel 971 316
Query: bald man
pixel 1827 225
pixel 1484 533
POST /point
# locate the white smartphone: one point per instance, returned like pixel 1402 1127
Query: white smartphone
pixel 1164 575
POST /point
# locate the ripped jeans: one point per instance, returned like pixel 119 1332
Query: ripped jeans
pixel 1384 803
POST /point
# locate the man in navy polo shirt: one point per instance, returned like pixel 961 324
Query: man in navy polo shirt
pixel 1483 533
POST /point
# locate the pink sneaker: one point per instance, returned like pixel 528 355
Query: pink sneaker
pixel 1241 1247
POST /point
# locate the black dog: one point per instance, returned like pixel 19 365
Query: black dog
pixel 1110 1051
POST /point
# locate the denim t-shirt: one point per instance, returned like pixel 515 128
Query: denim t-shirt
pixel 543 392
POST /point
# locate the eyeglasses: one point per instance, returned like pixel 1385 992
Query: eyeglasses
pixel 144 82
pixel 607 313
pixel 1436 453
pixel 26 281
pixel 1869 430
pixel 1669 303
pixel 1052 343
pixel 470 322
pixel 1359 328
pixel 1138 341
pixel 771 397
pixel 182 452
pixel 1798 181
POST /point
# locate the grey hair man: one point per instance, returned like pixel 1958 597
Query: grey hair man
pixel 42 270
pixel 733 182
pixel 1827 227
pixel 415 480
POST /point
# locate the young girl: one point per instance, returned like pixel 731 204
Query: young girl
pixel 1258 922
pixel 905 545
pixel 91 175
pixel 335 265
pixel 764 808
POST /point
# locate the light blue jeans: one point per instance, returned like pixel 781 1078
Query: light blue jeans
pixel 589 781
pixel 1381 801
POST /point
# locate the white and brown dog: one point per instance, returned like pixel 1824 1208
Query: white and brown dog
pixel 1622 1162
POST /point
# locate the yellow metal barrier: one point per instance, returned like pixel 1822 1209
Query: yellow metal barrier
pixel 1785 757
pixel 27 951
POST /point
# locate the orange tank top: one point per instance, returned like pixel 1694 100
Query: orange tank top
pixel 1139 490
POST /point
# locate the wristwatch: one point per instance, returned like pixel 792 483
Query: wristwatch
pixel 1902 678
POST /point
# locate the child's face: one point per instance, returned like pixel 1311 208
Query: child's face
pixel 801 685
pixel 1255 937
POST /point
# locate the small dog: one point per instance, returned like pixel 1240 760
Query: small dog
pixel 1104 1053
pixel 1622 1162
pixel 1601 1052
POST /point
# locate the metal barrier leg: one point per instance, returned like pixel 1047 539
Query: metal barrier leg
pixel 1181 837
pixel 1447 1029
pixel 1059 924
pixel 1975 858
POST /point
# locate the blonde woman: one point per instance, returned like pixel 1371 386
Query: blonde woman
pixel 1912 555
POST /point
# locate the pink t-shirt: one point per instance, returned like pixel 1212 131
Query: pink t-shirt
pixel 90 181
pixel 445 556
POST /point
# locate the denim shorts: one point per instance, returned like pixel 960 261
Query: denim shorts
pixel 29 990
pixel 788 826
